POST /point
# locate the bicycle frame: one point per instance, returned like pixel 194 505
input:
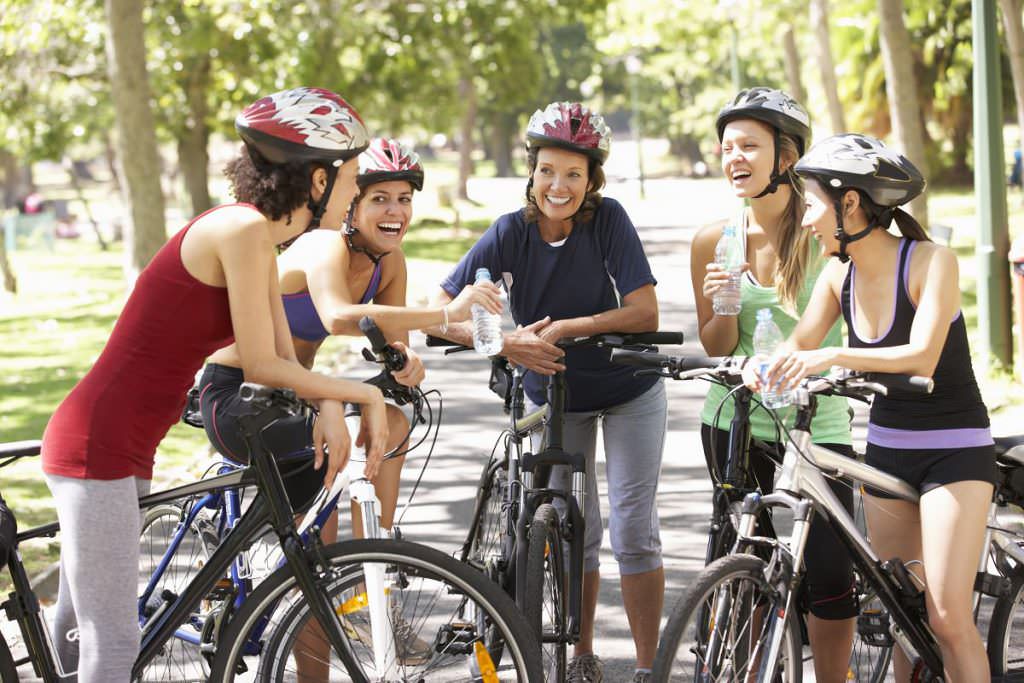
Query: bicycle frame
pixel 802 487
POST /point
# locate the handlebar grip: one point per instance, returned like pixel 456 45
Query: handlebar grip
pixel 440 341
pixel 700 362
pixel 641 359
pixel 910 383
pixel 376 338
pixel 655 338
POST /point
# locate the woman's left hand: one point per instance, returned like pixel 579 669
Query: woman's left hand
pixel 558 329
pixel 413 373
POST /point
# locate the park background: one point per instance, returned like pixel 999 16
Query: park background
pixel 119 115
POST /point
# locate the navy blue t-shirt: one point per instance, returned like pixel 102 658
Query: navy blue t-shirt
pixel 600 262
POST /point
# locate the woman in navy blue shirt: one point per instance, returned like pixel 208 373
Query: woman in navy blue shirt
pixel 572 264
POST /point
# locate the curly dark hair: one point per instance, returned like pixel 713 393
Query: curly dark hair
pixel 591 201
pixel 275 189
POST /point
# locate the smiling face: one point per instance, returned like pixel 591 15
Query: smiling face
pixel 748 155
pixel 383 213
pixel 560 182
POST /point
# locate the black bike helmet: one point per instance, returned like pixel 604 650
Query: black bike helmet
pixel 778 110
pixel 853 161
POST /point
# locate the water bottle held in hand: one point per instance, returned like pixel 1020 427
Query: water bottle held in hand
pixel 486 325
pixel 767 337
pixel 729 255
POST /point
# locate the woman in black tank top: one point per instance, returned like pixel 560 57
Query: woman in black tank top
pixel 900 299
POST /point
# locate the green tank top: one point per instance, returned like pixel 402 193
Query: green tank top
pixel 832 420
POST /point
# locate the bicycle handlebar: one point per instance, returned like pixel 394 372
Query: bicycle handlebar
pixel 613 340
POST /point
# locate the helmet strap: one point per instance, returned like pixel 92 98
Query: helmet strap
pixel 844 237
pixel 352 246
pixel 318 208
pixel 777 178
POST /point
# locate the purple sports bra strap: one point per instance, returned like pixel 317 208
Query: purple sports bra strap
pixel 371 288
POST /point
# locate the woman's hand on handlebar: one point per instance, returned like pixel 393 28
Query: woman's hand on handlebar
pixel 788 368
pixel 330 432
pixel 373 433
pixel 412 374
pixel 487 294
pixel 525 347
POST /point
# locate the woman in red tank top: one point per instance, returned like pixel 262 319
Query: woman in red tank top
pixel 214 281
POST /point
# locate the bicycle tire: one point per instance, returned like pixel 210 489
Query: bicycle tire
pixel 869 662
pixel 463 603
pixel 1006 630
pixel 179 659
pixel 485 542
pixel 682 652
pixel 8 671
pixel 545 602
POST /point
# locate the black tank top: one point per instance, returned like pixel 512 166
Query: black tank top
pixel 955 402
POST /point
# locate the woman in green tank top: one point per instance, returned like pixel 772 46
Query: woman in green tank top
pixel 763 132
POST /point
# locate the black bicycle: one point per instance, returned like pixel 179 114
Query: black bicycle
pixel 525 535
pixel 352 594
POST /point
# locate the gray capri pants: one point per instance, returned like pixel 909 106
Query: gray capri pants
pixel 96 627
pixel 634 438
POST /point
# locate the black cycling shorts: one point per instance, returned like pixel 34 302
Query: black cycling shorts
pixel 926 469
pixel 220 405
pixel 829 585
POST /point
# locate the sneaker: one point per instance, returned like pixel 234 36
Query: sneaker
pixel 641 677
pixel 585 669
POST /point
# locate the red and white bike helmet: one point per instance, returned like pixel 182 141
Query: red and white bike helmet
pixel 304 124
pixel 386 159
pixel 571 126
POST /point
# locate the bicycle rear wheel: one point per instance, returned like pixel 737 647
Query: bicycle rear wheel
pixel 484 546
pixel 435 601
pixel 545 600
pixel 719 629
pixel 180 658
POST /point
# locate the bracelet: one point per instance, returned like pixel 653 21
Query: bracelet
pixel 444 323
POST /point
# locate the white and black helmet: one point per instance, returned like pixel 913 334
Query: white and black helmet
pixel 771 106
pixel 861 162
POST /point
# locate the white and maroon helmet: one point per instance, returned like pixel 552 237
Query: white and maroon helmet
pixel 303 124
pixel 571 126
pixel 386 159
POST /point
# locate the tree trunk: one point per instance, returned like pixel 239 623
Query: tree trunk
pixel 901 91
pixel 1015 46
pixel 136 132
pixel 792 59
pixel 10 281
pixel 504 132
pixel 9 166
pixel 960 172
pixel 823 54
pixel 467 93
pixel 76 185
pixel 193 158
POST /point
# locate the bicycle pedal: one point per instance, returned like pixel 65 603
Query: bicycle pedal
pixel 456 638
pixel 873 628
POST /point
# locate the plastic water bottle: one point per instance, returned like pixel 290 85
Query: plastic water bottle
pixel 486 325
pixel 767 337
pixel 729 255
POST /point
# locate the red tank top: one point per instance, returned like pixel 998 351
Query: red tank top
pixel 110 424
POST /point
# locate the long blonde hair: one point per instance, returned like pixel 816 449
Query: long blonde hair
pixel 794 256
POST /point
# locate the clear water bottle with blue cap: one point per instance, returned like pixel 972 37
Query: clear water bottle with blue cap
pixel 486 325
pixel 767 337
pixel 729 256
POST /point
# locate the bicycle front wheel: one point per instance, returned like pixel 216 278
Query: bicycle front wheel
pixel 8 672
pixel 720 629
pixel 545 601
pixel 180 658
pixel 438 610
pixel 1006 632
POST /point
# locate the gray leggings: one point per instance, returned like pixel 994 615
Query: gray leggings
pixel 634 437
pixel 96 628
